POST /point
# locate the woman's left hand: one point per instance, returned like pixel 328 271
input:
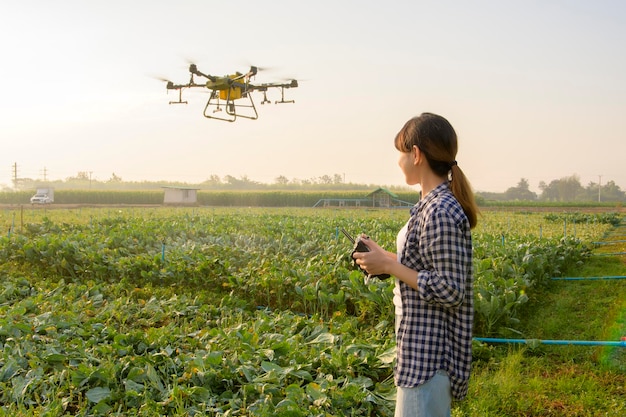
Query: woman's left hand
pixel 374 262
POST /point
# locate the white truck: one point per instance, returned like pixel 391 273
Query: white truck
pixel 43 196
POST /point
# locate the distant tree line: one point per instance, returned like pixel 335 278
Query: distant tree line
pixel 84 181
pixel 567 189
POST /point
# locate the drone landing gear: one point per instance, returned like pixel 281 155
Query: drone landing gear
pixel 282 97
pixel 233 109
pixel 180 98
pixel 265 100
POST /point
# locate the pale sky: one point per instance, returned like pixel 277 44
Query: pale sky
pixel 536 89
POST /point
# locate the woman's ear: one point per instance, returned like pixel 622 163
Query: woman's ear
pixel 417 154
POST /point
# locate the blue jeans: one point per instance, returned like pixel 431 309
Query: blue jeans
pixel 432 399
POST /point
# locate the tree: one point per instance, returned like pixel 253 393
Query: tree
pixel 326 179
pixel 520 192
pixel 115 178
pixel 242 183
pixel 609 192
pixel 564 189
pixel 548 191
pixel 213 180
pixel 80 176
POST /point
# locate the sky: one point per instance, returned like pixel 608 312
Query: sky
pixel 535 89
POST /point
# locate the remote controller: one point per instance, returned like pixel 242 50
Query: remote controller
pixel 359 246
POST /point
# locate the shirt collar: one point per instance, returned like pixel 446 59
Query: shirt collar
pixel 429 197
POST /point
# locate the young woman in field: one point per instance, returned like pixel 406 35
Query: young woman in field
pixel 433 295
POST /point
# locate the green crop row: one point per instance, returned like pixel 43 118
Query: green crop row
pixel 198 311
pixel 279 260
pixel 81 349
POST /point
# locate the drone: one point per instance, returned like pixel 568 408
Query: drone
pixel 231 95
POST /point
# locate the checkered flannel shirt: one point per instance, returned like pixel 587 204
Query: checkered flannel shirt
pixel 436 327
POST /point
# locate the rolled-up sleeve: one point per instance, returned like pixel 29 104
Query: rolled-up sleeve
pixel 447 257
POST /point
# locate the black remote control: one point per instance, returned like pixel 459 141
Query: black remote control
pixel 359 246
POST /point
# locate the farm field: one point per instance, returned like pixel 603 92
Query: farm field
pixel 258 312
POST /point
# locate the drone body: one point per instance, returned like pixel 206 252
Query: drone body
pixel 230 93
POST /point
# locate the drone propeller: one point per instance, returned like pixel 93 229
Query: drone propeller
pixel 158 77
pixel 258 67
pixel 293 83
pixel 193 69
pixel 169 84
pixel 264 69
pixel 295 80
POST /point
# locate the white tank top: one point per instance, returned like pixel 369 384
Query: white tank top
pixel 400 240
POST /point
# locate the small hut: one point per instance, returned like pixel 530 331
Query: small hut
pixel 382 197
pixel 180 195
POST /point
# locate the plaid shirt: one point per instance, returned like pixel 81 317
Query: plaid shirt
pixel 435 331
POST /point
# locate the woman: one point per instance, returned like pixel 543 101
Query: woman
pixel 433 272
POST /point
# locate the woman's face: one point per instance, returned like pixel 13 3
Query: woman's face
pixel 408 164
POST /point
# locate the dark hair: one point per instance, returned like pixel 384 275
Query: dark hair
pixel 436 138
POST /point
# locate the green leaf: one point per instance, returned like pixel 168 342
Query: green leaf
pixel 323 338
pixel 388 356
pixel 270 366
pixel 56 358
pixel 130 385
pixel 95 395
pixel 200 394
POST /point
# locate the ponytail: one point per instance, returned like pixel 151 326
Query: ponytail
pixel 462 191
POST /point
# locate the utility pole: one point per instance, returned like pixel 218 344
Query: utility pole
pixel 599 186
pixel 15 176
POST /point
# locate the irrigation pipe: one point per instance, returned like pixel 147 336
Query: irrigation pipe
pixel 621 343
pixel 587 278
pixel 609 242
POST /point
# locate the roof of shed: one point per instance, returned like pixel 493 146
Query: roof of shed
pixel 382 190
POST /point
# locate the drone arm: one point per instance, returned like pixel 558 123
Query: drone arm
pixel 193 69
